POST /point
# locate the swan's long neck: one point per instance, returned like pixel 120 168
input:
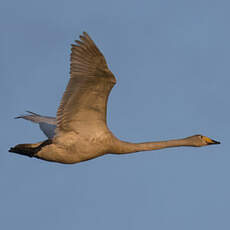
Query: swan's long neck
pixel 127 147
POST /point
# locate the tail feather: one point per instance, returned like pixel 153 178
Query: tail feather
pixel 30 150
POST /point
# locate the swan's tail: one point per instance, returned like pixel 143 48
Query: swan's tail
pixel 29 150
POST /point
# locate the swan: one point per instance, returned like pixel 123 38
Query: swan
pixel 80 131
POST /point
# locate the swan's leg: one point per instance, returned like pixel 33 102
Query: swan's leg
pixel 29 149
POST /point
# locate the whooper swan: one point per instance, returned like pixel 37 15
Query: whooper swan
pixel 81 131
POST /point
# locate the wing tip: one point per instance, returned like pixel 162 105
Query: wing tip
pixel 85 40
pixel 24 115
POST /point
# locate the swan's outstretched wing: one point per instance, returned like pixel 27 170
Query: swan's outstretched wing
pixel 47 124
pixel 83 105
pixel 37 118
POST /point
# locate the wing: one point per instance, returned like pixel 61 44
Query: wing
pixel 36 118
pixel 47 129
pixel 46 124
pixel 84 103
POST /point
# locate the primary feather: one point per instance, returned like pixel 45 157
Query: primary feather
pixel 46 124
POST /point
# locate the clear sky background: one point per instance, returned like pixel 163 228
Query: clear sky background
pixel 171 60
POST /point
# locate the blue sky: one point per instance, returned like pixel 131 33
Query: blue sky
pixel 171 60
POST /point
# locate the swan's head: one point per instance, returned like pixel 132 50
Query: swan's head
pixel 200 140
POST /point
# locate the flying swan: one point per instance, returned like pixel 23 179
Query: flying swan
pixel 79 132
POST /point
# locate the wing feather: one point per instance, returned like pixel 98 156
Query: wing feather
pixel 84 103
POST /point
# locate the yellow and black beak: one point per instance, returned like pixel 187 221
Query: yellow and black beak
pixel 209 141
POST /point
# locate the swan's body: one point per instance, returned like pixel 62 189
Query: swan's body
pixel 81 131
